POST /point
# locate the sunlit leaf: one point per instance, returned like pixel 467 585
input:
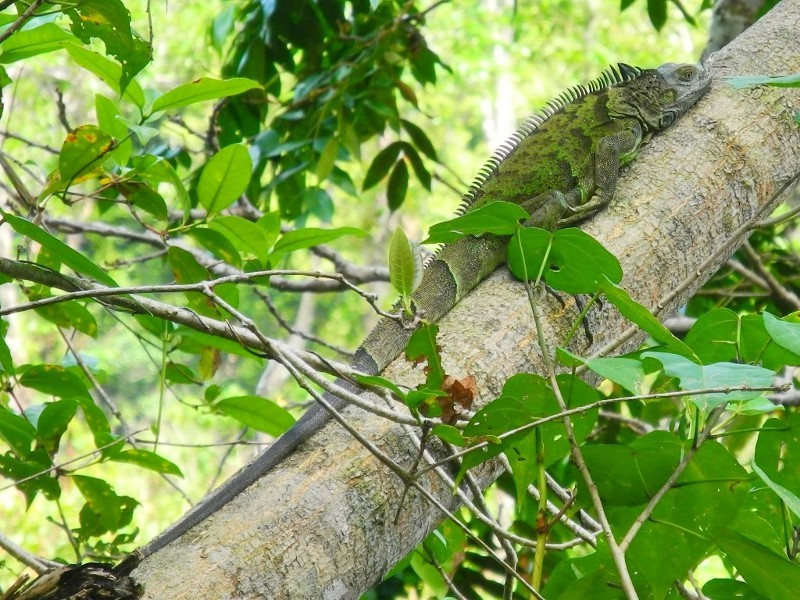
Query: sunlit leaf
pixel 148 460
pixel 224 178
pixel 639 315
pixel 498 218
pixel 308 237
pixel 110 21
pixel 107 70
pixel 202 90
pixel 82 151
pixel 575 262
pixel 256 412
pixel 405 264
pixel 30 42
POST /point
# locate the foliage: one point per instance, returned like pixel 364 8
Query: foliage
pixel 318 99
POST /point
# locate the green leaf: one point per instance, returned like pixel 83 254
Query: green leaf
pixel 108 118
pixel 639 315
pixel 313 236
pixel 729 589
pixel 657 10
pixel 82 151
pixel 224 178
pixel 779 446
pixel 381 164
pixel 721 335
pixel 148 460
pixel 30 42
pixel 527 398
pixel 217 244
pixel 70 314
pixel 318 203
pixel 708 495
pixel 54 381
pixel 155 169
pixel 98 424
pixel 783 333
pixel 256 412
pixel 751 80
pixel 144 197
pixel 756 345
pixel 245 235
pixel 718 375
pixel 110 21
pixel 423 175
pixel 790 499
pixel 270 223
pixel 17 432
pixel 6 360
pixel 327 159
pixel 107 70
pixel 201 90
pixel 36 467
pixel 187 270
pixel 397 186
pixel 627 372
pixel 764 571
pixel 630 475
pixel 53 422
pixel 375 380
pixel 449 434
pixel 420 139
pixel 405 265
pixel 498 218
pixel 576 262
pixel 713 337
pixel 104 510
pixel 202 340
pixel 177 373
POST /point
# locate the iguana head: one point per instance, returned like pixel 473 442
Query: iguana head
pixel 659 96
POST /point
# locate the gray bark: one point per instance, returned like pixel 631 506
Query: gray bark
pixel 321 526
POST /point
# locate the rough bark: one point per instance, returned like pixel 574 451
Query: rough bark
pixel 322 525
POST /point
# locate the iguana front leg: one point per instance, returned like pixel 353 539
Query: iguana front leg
pixel 612 152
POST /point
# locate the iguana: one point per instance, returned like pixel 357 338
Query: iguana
pixel 561 166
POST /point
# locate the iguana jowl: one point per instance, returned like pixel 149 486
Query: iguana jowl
pixel 561 166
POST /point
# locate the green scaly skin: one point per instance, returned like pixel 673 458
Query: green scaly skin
pixel 561 166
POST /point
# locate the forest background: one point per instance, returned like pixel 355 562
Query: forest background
pixel 450 85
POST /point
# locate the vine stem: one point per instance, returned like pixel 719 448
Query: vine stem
pixel 617 554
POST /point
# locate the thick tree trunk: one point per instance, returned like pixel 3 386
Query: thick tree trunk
pixel 323 524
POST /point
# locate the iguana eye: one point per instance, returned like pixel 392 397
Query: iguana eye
pixel 686 74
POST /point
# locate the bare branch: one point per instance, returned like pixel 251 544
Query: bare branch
pixel 38 564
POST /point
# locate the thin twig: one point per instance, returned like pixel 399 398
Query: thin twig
pixel 23 18
pixel 784 298
pixel 37 563
pixel 27 142
pixel 80 457
pixel 604 402
pixel 451 586
pixel 577 456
